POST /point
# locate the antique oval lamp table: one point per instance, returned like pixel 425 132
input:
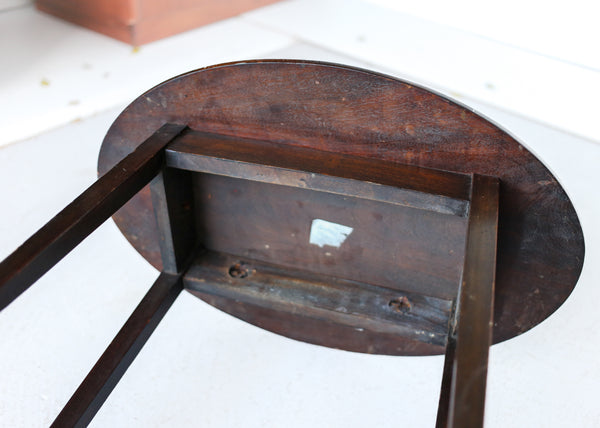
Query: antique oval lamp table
pixel 328 204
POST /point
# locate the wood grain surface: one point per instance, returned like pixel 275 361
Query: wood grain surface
pixel 344 110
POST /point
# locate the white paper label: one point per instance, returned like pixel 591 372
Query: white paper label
pixel 324 232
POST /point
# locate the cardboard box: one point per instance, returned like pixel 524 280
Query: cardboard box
pixel 141 21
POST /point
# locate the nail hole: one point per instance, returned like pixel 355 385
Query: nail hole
pixel 401 305
pixel 240 270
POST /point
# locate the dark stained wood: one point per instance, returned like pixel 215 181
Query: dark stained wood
pixel 350 303
pixel 446 385
pixel 342 110
pixel 106 373
pixel 265 215
pixel 341 174
pixel 390 245
pixel 257 200
pixel 82 216
pixel 331 334
pixel 173 201
pixel 305 141
pixel 465 374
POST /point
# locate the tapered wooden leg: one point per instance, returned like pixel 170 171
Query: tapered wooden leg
pixel 113 363
pixel 172 200
pixel 173 203
pixel 82 216
pixel 462 399
pixel 443 408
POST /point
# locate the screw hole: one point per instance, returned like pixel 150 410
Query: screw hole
pixel 240 270
pixel 401 305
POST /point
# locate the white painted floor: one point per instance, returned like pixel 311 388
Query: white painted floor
pixel 60 89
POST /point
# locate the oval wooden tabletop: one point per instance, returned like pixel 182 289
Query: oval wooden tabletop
pixel 347 110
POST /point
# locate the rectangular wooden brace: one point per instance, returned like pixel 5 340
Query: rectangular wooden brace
pixel 406 185
pixel 359 305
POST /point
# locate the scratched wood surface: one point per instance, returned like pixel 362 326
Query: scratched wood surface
pixel 366 308
pixel 356 112
pixel 258 204
pixel 391 246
